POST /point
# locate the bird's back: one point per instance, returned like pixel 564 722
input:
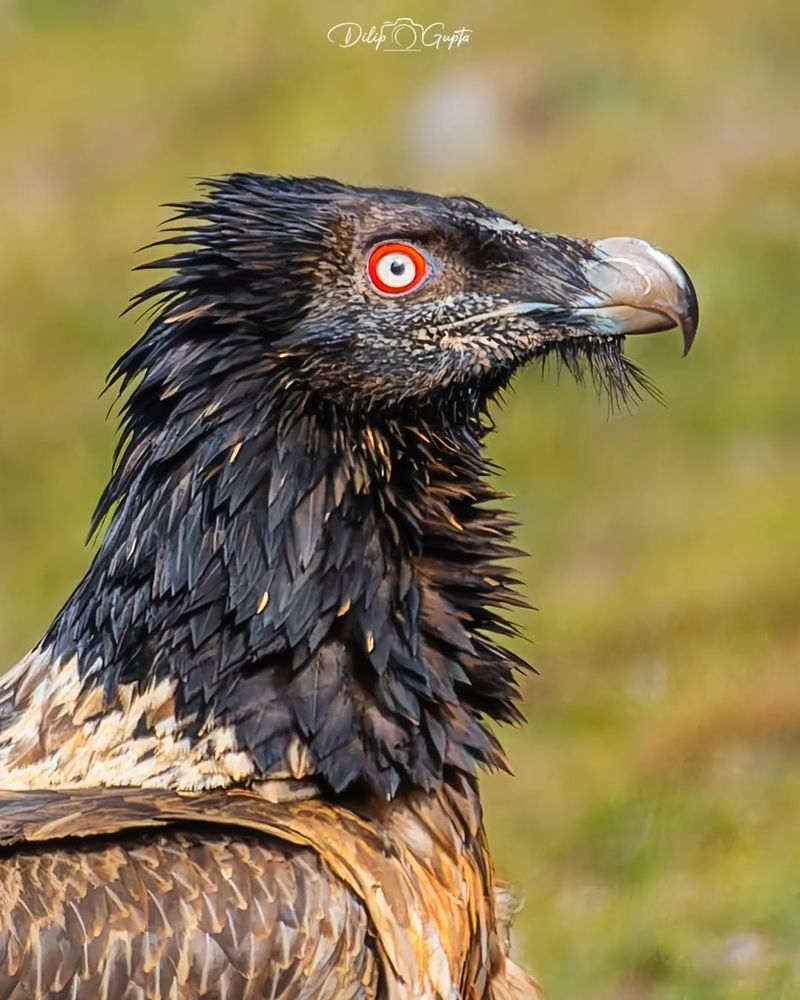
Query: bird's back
pixel 228 895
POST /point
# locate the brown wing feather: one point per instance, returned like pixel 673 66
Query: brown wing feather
pixel 395 900
pixel 180 914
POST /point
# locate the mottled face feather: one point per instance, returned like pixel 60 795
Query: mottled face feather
pixel 302 580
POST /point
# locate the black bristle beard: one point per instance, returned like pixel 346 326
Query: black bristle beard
pixel 602 362
pixel 311 577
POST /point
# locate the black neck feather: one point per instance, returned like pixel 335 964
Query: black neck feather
pixel 310 576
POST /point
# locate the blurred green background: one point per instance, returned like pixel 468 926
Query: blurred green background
pixel 653 826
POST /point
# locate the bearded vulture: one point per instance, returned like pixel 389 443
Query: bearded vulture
pixel 243 761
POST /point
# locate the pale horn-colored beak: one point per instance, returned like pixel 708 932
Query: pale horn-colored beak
pixel 639 289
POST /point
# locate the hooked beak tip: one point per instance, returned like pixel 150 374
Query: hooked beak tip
pixel 690 318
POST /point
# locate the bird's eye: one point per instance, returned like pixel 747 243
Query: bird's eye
pixel 395 268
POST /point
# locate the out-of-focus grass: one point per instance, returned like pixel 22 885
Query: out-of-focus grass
pixel 652 823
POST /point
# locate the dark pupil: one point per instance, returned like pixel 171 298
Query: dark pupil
pixel 397 267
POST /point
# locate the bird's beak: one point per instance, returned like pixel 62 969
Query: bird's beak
pixel 636 288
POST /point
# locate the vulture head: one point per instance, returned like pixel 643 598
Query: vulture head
pixel 301 576
pixel 377 300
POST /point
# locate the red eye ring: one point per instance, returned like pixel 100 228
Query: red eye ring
pixel 396 267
